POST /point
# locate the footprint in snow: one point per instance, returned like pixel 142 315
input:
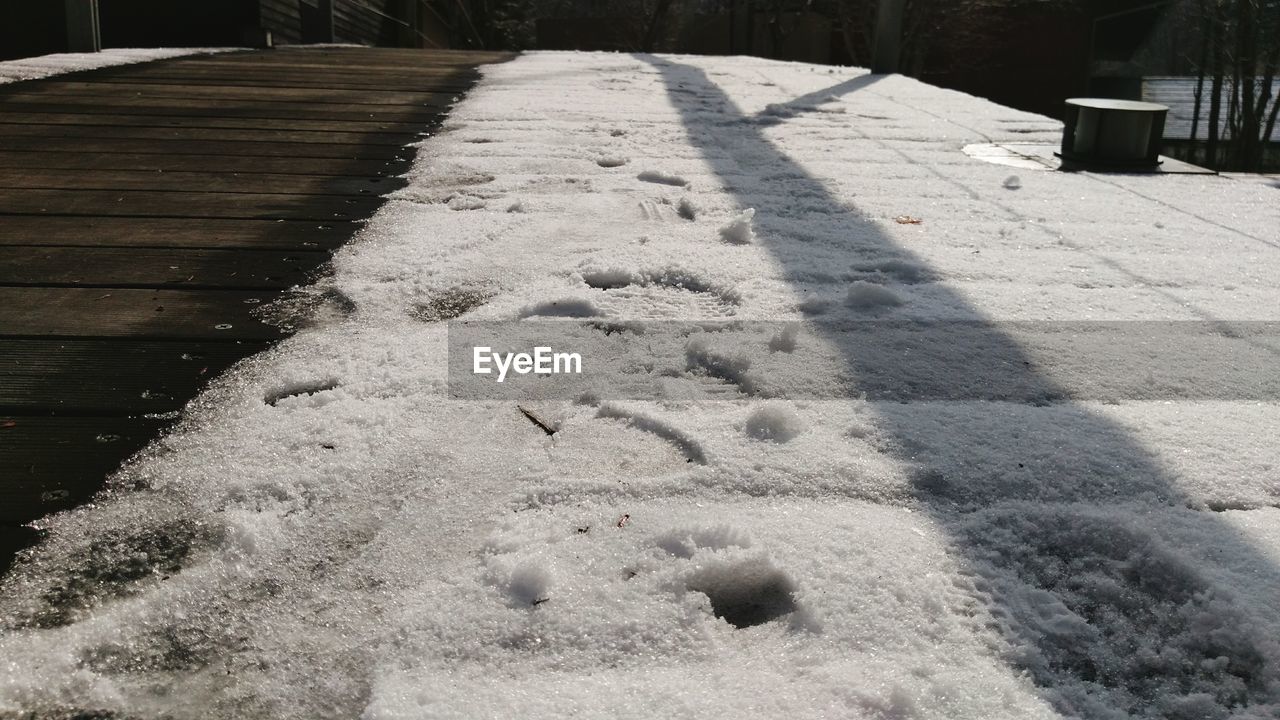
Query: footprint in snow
pixel 1083 589
pixel 660 293
pixel 902 271
pixel 449 303
pixel 745 586
pixel 566 307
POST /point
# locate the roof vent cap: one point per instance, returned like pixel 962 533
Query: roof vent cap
pixel 1106 134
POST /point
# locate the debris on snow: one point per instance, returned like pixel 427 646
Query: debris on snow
pixel 533 418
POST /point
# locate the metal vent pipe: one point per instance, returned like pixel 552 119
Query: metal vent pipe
pixel 1101 133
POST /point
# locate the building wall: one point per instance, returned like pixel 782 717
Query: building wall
pixel 164 23
pixel 31 28
pixel 1028 57
pixel 38 27
pixel 1178 94
pixel 283 18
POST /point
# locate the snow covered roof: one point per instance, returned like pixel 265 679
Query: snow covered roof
pixel 1096 536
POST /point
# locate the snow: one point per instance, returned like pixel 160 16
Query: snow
pixel 661 178
pixel 48 65
pixel 1049 490
pixel 738 231
pixel 864 295
pixel 774 421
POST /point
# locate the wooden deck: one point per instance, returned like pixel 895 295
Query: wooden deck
pixel 147 210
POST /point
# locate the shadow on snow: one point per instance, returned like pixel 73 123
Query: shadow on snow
pixel 1104 612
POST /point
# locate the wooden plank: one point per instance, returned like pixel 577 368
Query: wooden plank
pixel 214 109
pixel 417 78
pixel 111 314
pixel 373 56
pixel 269 183
pixel 421 77
pixel 35 230
pixel 232 93
pixel 219 315
pixel 48 464
pixel 247 149
pixel 108 377
pixel 61 116
pixel 145 203
pixel 159 162
pixel 108 131
pixel 383 57
pixel 413 79
pixel 156 268
pixel 351 64
pixel 374 84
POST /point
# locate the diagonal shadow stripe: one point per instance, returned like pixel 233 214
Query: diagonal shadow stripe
pixel 1107 616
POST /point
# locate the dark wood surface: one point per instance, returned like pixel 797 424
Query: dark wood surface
pixel 148 211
